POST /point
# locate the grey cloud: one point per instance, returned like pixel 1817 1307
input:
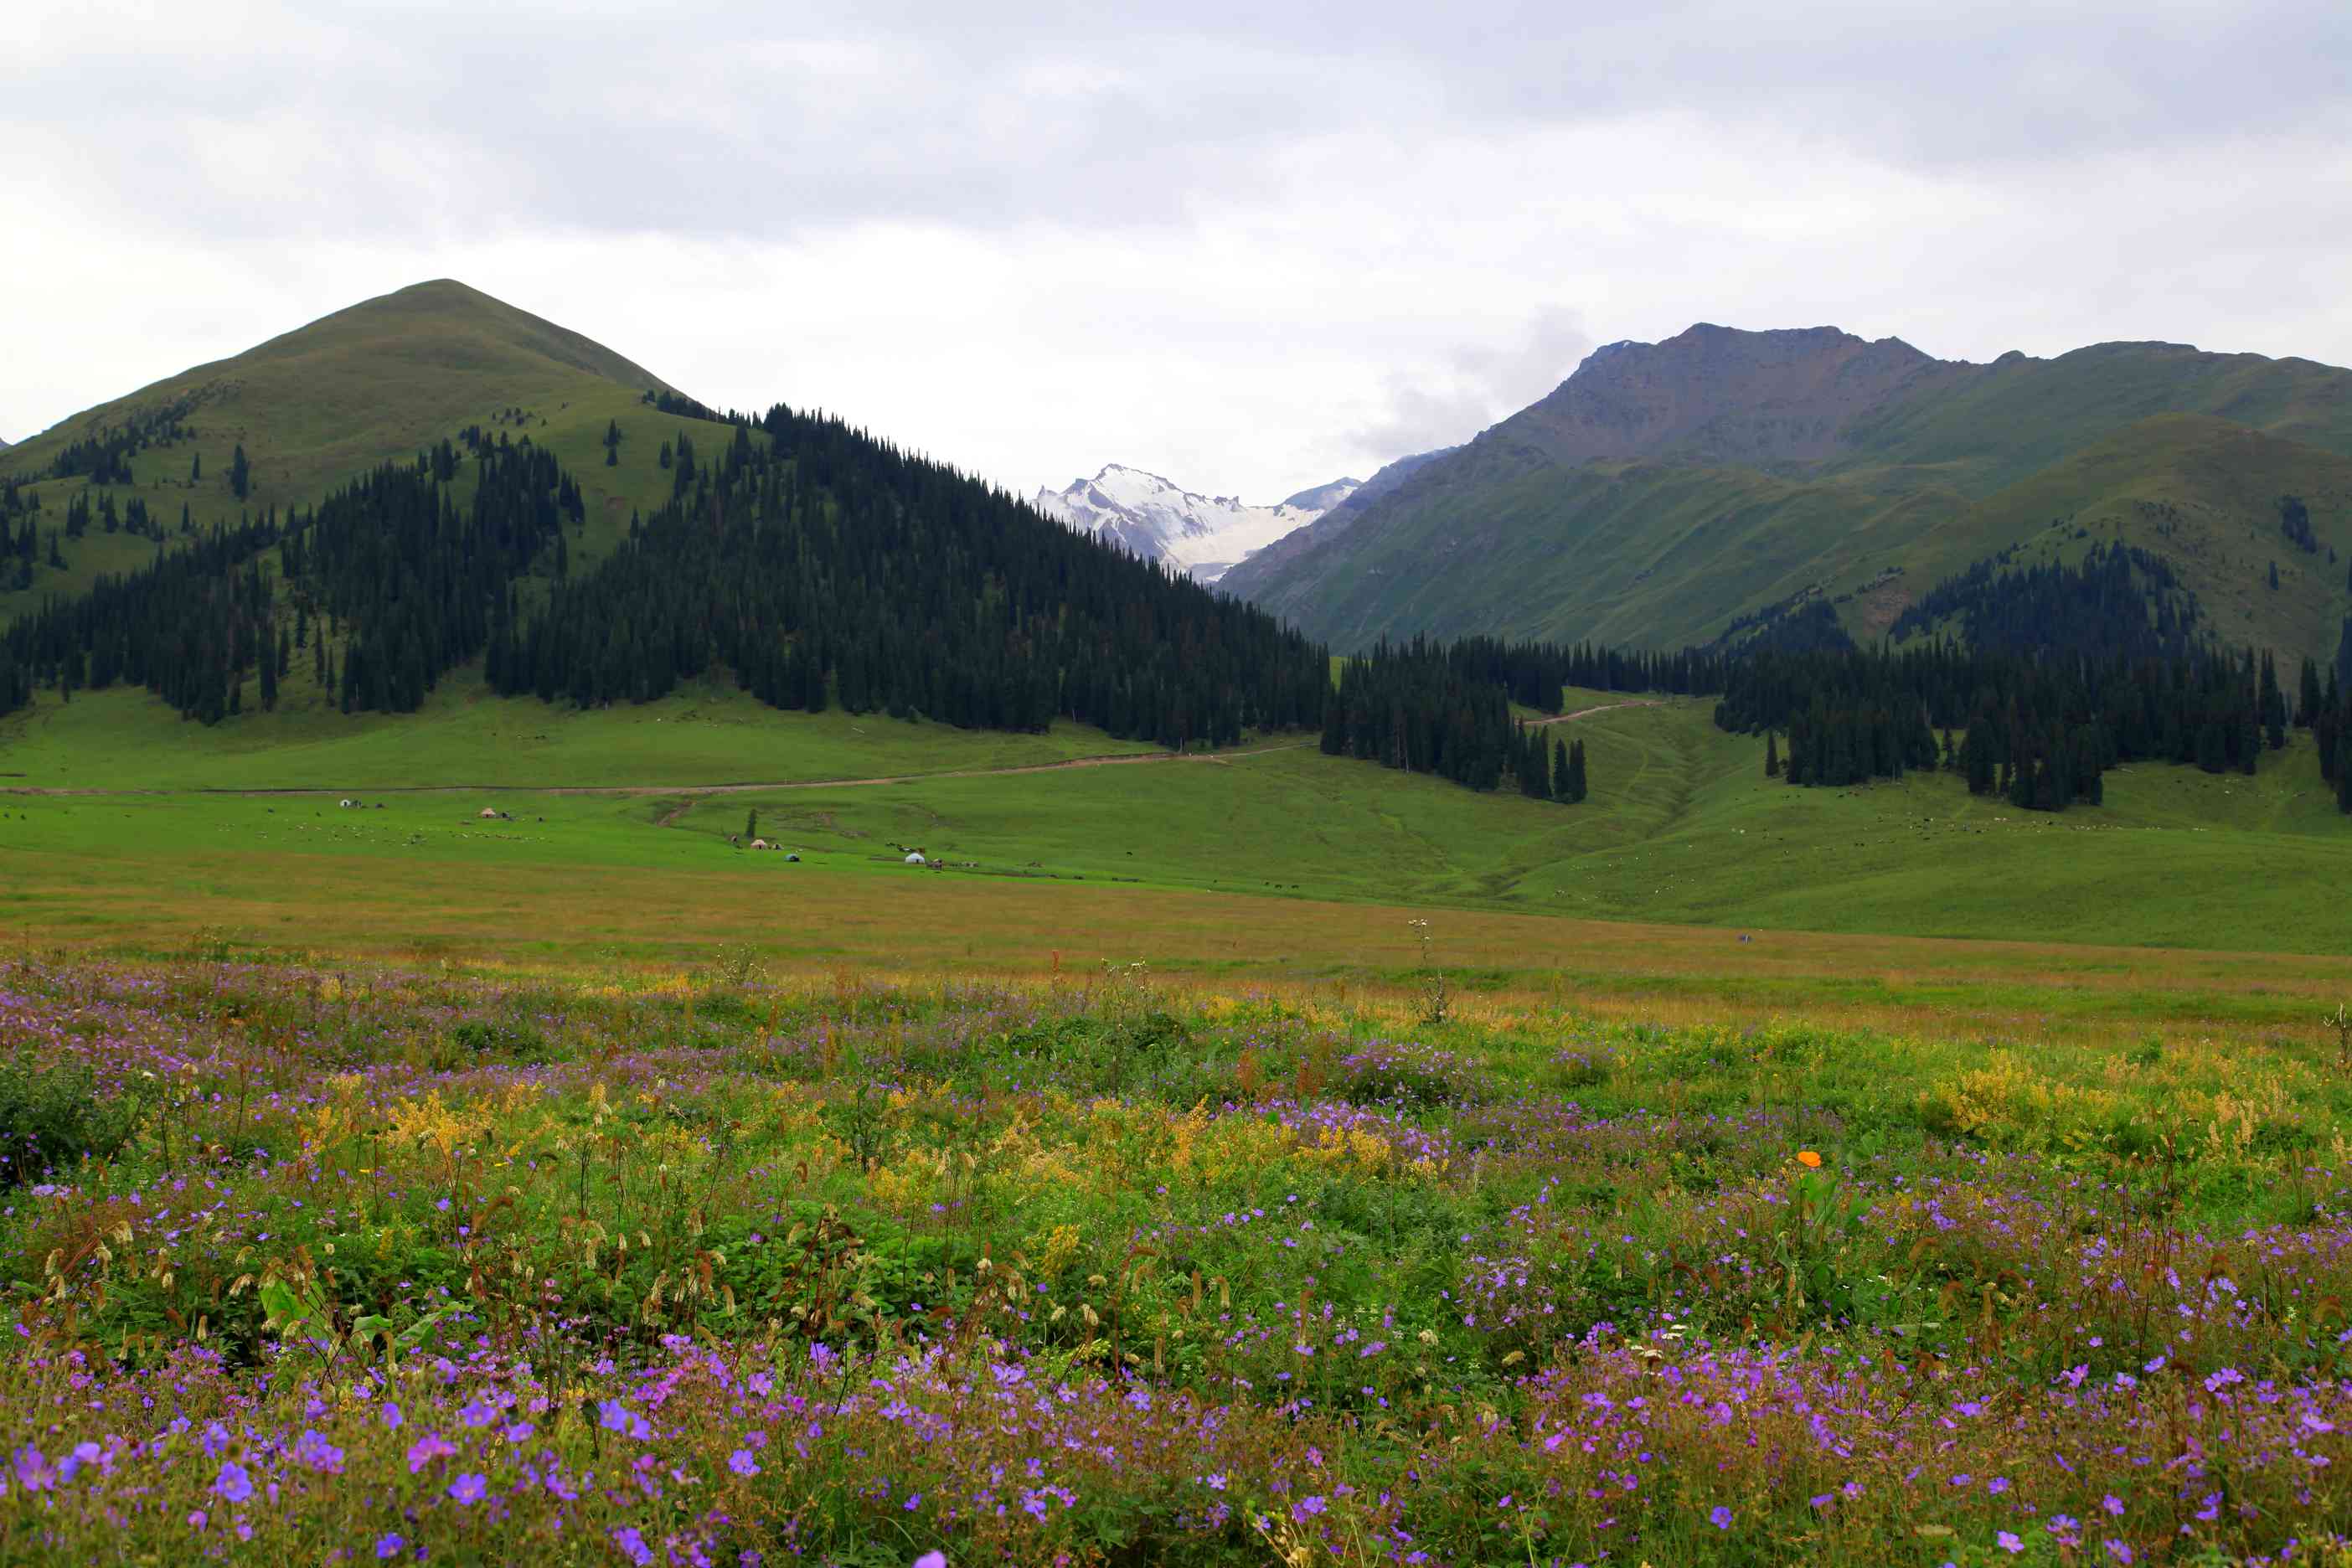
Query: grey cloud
pixel 1243 243
pixel 1445 405
pixel 725 119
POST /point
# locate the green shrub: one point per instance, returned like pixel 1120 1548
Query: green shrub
pixel 51 1116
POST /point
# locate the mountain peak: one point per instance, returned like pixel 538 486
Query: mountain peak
pixel 1151 516
pixel 1723 392
pixel 378 380
pixel 447 324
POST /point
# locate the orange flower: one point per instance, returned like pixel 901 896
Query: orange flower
pixel 1809 1160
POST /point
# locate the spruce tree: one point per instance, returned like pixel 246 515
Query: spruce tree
pixel 240 473
pixel 196 468
pixel 1578 785
pixel 1527 762
pixel 1562 780
pixel 1771 755
pixel 751 824
pixel 2271 703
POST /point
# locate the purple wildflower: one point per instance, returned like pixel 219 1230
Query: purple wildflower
pixel 426 1449
pixel 233 1484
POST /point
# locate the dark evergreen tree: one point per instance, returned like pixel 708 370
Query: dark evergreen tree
pixel 240 473
pixel 2117 601
pixel 2295 523
pixel 2038 727
pixel 2271 703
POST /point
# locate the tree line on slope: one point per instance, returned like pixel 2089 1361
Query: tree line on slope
pixel 1445 708
pixel 2039 730
pixel 818 565
pixel 2119 601
pixel 824 566
pixel 414 578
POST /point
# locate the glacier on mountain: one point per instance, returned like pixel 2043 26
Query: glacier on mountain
pixel 1160 520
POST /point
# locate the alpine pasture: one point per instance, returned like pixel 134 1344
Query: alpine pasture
pixel 1237 1157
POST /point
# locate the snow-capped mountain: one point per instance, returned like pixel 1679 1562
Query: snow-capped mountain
pixel 1160 520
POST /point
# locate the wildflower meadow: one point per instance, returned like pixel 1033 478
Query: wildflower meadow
pixel 378 1265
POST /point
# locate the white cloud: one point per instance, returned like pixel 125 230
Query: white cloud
pixel 1250 247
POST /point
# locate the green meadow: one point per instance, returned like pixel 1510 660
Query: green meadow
pixel 110 793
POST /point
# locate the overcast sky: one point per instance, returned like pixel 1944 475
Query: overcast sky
pixel 1248 246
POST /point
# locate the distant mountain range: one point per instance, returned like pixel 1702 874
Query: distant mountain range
pixel 1712 485
pixel 1675 491
pixel 1158 519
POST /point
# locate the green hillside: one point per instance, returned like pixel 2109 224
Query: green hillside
pixel 2018 415
pixel 2201 491
pixel 1526 531
pixel 1627 554
pixel 312 408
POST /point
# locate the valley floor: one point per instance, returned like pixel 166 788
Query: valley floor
pixel 1272 857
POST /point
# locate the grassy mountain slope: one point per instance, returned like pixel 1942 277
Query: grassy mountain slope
pixel 368 384
pixel 2200 490
pixel 1761 466
pixel 2011 418
pixel 1654 546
